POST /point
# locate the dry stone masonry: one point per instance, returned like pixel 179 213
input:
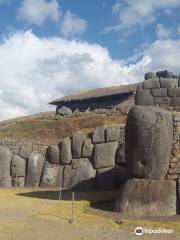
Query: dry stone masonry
pixel 82 161
pixel 161 89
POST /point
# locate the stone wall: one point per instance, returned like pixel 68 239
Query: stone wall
pixel 152 150
pixel 161 89
pixel 83 161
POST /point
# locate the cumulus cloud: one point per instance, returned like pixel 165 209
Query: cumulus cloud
pixel 72 25
pixel 37 70
pixel 38 11
pixel 162 32
pixel 133 13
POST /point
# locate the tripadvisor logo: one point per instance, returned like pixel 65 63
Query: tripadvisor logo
pixel 139 231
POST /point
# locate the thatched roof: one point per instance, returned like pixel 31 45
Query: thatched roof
pixel 98 92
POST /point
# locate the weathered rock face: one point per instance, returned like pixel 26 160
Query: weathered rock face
pixel 104 155
pixel 52 175
pixel 65 151
pixel 148 139
pixel 53 155
pixel 18 166
pixel 99 135
pixel 112 134
pixel 34 169
pixel 143 197
pixel 80 174
pixel 110 178
pixel 26 149
pixel 5 160
pixel 77 141
pixel 18 181
pixel 87 148
pixel 149 75
pixel 120 154
pixel 178 196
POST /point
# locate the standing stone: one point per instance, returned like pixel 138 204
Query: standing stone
pixel 80 174
pixel 99 135
pixel 151 83
pixel 34 169
pixel 5 160
pixel 110 178
pixel 52 175
pixel 145 198
pixel 148 142
pixel 65 151
pixel 87 148
pixel 18 181
pixel 112 134
pixel 77 141
pixel 104 155
pixel 18 166
pixel 26 149
pixel 53 155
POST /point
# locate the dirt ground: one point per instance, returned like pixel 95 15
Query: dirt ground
pixel 28 214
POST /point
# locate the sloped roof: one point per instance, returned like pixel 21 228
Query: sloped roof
pixel 98 92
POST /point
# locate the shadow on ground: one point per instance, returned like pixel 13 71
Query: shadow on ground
pixel 103 200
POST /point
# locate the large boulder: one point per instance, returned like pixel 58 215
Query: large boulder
pixel 52 175
pixel 112 134
pixel 18 166
pixel 52 154
pixel 148 142
pixel 149 75
pixel 65 151
pixel 144 97
pixel 5 160
pixel 80 174
pixel 104 155
pixel 146 198
pixel 26 149
pixel 34 169
pixel 77 142
pixel 18 181
pixel 110 178
pixel 120 154
pixel 99 135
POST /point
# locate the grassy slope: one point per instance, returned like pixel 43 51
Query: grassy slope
pixel 46 128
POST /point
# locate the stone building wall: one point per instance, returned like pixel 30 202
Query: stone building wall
pixel 82 161
pixel 161 89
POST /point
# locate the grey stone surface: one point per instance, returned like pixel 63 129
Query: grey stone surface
pixel 110 178
pixel 112 134
pixel 176 117
pixel 174 92
pixel 164 74
pixel 168 82
pixel 151 83
pixel 120 154
pixel 175 101
pixel 5 160
pixel 162 100
pixel 26 149
pixel 80 174
pixel 148 142
pixel 18 182
pixel 65 151
pixel 34 169
pixel 53 154
pixel 104 155
pixel 77 142
pixel 18 166
pixel 99 135
pixel 149 75
pixel 52 175
pixel 87 148
pixel 146 198
pixel 159 92
pixel 64 111
pixel 144 97
pixel 178 196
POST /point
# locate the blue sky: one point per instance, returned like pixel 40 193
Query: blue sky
pixel 51 48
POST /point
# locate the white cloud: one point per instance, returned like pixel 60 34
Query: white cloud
pixel 162 32
pixel 178 30
pixel 37 70
pixel 38 11
pixel 72 25
pixel 133 13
